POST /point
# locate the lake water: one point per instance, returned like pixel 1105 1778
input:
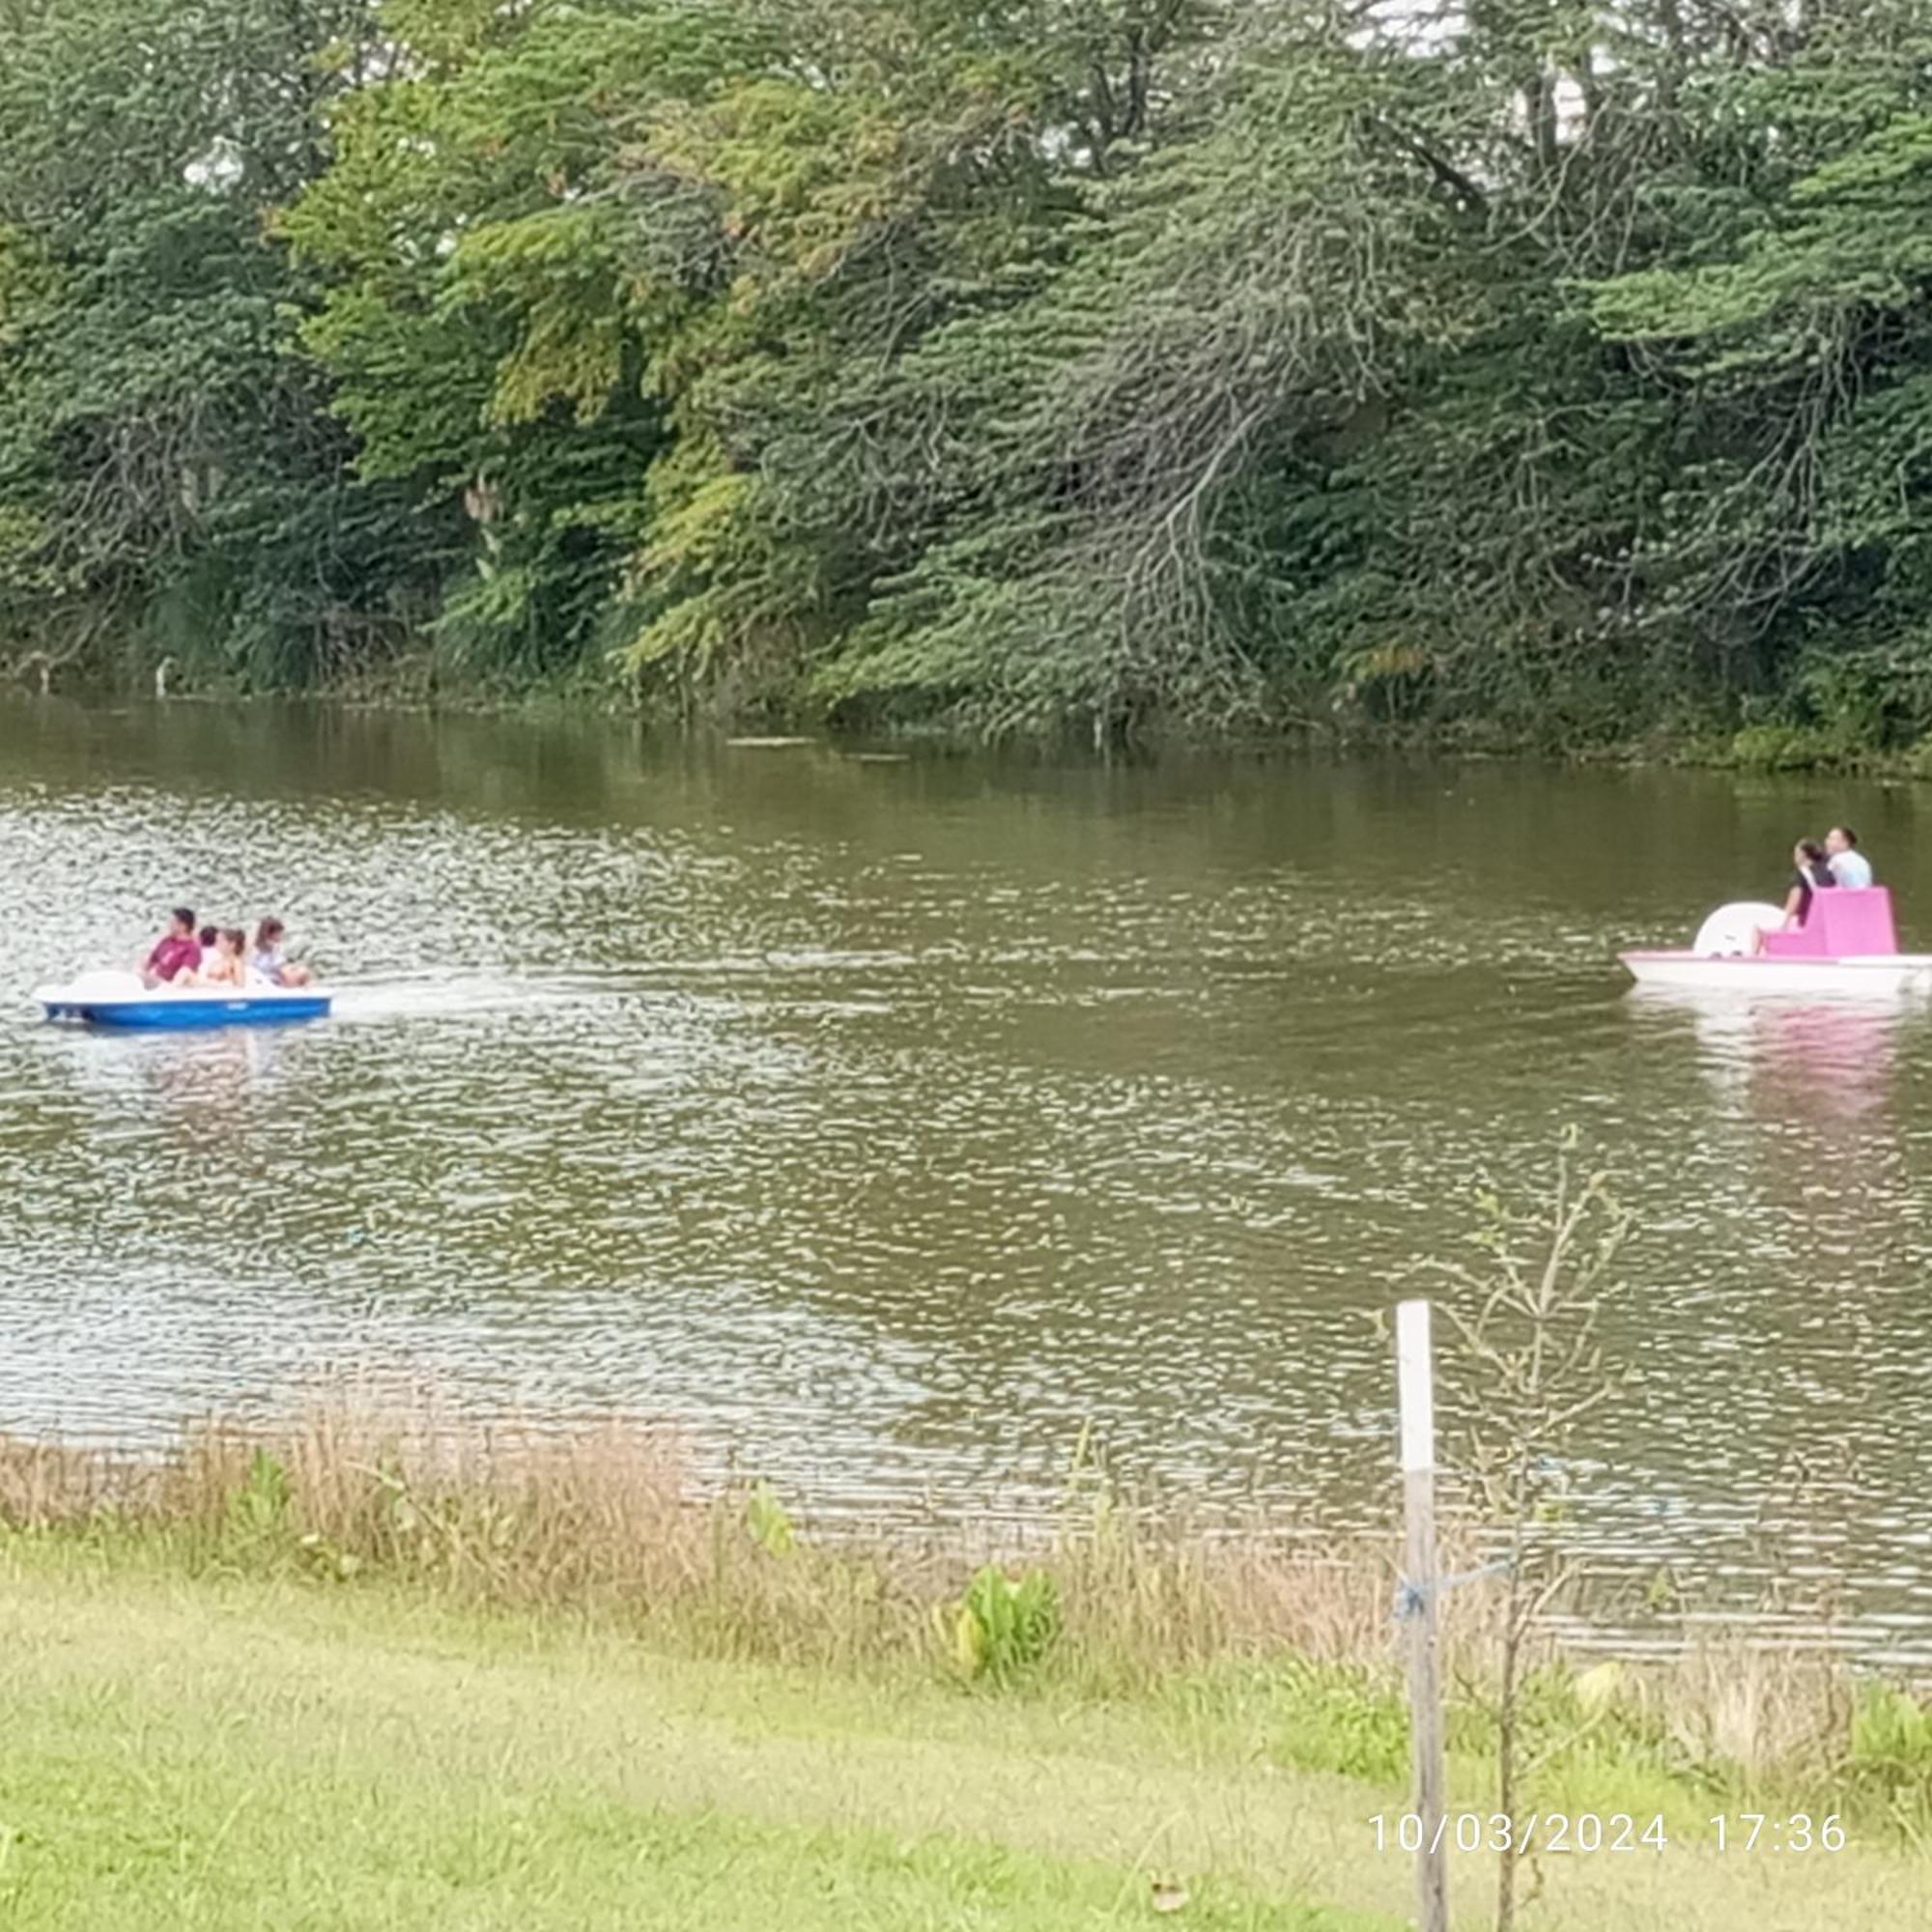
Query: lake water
pixel 886 1123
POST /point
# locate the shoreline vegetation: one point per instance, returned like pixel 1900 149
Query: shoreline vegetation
pixel 1753 750
pixel 1288 1645
pixel 1129 373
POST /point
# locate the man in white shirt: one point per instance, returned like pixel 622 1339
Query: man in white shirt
pixel 1849 866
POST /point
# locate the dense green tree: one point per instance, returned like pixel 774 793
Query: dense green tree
pixel 164 461
pixel 1531 372
pixel 1796 343
pixel 1140 448
pixel 500 278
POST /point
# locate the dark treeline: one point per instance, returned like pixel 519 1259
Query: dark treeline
pixel 1527 371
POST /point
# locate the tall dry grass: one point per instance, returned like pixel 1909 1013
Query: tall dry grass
pixel 598 1520
pixel 604 1520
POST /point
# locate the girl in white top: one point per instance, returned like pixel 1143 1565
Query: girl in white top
pixel 267 963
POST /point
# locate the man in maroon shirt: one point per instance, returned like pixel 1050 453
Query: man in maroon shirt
pixel 176 951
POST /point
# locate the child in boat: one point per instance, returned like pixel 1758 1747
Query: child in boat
pixel 225 963
pixel 266 962
pixel 176 951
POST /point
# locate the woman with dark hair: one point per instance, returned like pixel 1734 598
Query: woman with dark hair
pixel 267 963
pixel 1811 875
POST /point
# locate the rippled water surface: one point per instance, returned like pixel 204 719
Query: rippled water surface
pixel 884 1122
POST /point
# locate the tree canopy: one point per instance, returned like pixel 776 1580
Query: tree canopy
pixel 1524 372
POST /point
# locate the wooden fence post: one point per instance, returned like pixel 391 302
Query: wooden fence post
pixel 1415 1388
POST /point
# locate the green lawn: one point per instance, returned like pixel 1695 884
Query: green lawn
pixel 187 1753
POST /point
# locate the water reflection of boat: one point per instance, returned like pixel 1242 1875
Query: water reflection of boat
pixel 197 1070
pixel 1832 1056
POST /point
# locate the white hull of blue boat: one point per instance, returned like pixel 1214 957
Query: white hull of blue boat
pixel 121 1000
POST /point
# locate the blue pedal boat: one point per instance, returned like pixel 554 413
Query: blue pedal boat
pixel 121 1000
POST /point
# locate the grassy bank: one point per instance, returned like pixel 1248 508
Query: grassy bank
pixel 247 1751
pixel 252 1753
pixel 362 1672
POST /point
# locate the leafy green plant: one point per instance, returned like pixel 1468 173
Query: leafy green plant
pixel 1891 1735
pixel 257 1513
pixel 261 1505
pixel 1004 1626
pixel 769 1522
pixel 1345 1718
pixel 1889 1759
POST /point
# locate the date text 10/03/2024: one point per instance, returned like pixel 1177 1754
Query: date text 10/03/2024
pixel 1557 1832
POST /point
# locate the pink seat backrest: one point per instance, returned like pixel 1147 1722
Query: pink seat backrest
pixel 1853 921
pixel 1807 942
pixel 1840 925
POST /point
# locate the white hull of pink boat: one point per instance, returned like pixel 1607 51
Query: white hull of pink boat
pixel 1847 943
pixel 1885 974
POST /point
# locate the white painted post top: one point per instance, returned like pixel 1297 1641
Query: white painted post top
pixel 1416 1385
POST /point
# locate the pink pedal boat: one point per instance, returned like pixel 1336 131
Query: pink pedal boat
pixel 1847 944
